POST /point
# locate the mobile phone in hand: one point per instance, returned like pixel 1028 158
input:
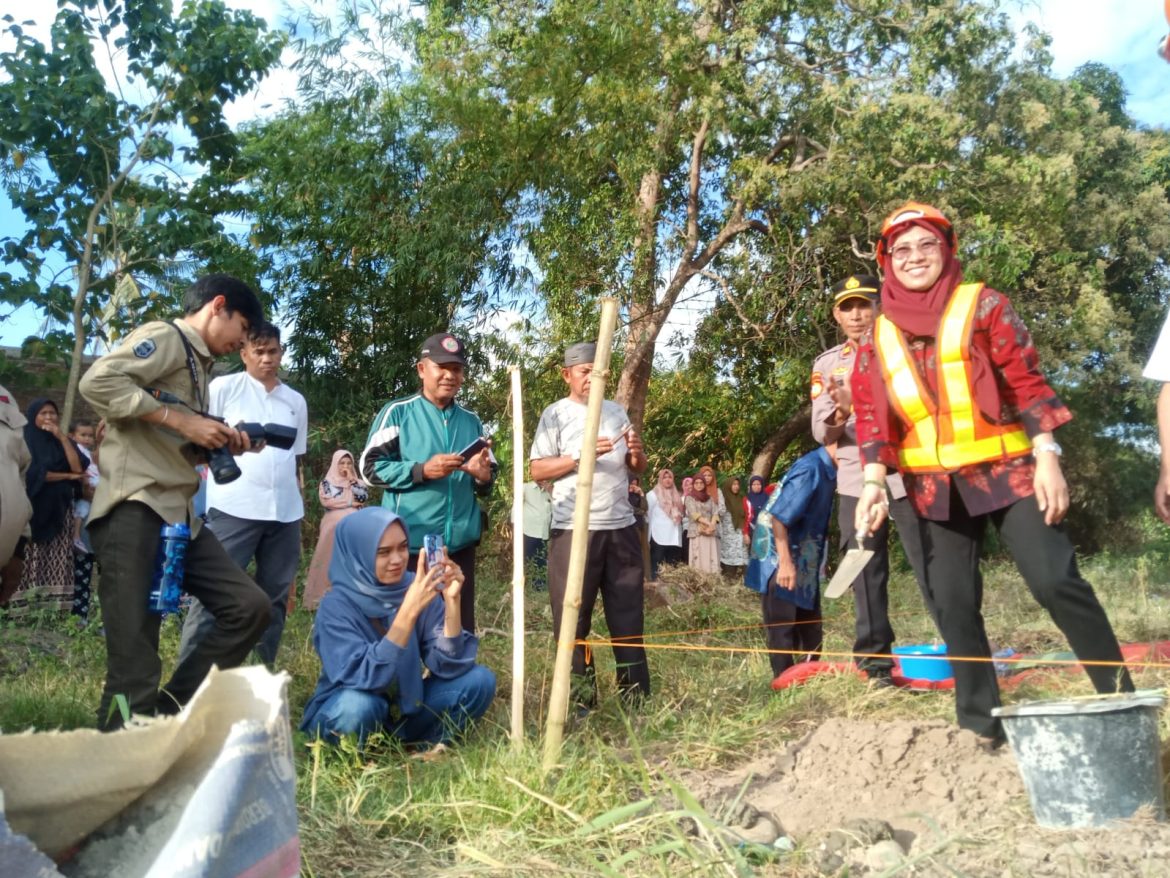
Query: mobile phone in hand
pixel 433 546
pixel 473 449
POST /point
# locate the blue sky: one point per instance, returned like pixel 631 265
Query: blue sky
pixel 1123 34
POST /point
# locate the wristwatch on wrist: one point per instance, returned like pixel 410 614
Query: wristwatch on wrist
pixel 1053 447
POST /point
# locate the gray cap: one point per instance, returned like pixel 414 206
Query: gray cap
pixel 581 352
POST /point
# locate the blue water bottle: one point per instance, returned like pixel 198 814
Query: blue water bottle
pixel 167 585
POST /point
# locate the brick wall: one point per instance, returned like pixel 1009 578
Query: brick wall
pixel 29 378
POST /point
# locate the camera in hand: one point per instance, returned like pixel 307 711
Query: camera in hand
pixel 223 466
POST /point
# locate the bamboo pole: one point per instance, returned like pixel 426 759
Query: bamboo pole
pixel 558 707
pixel 517 562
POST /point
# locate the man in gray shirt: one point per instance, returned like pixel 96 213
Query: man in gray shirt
pixel 613 565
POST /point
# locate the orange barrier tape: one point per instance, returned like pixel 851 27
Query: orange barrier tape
pixel 1015 659
pixel 755 626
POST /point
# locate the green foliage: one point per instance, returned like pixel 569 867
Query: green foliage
pixel 122 175
pixel 752 149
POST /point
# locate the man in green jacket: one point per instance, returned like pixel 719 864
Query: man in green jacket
pixel 430 455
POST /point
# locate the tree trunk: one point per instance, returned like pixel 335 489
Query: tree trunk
pixel 79 338
pixel 85 269
pixel 792 429
pixel 648 312
pixel 643 328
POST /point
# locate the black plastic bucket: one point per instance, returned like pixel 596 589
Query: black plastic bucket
pixel 1088 761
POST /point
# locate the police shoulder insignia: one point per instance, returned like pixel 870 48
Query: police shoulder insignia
pixel 818 385
pixel 144 348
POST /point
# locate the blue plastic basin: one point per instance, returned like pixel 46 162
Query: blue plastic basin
pixel 924 661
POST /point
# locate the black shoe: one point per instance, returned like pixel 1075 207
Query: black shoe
pixel 991 743
pixel 880 678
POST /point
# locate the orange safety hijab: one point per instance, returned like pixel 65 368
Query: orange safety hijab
pixel 949 433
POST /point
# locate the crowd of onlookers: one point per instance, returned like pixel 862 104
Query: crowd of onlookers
pixel 931 411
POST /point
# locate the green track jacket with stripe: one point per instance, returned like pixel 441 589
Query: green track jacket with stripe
pixel 404 436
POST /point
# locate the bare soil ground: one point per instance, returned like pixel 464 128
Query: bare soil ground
pixel 918 798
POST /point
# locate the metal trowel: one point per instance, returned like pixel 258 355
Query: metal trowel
pixel 849 569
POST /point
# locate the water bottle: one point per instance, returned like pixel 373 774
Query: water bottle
pixel 167 585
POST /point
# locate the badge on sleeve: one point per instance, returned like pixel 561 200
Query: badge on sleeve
pixel 144 348
pixel 818 385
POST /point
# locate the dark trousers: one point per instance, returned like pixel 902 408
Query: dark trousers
pixel 660 555
pixel 125 542
pixel 613 568
pixel 276 547
pixel 791 628
pixel 873 634
pixel 465 558
pixel 536 561
pixel 1046 560
pixel 82 577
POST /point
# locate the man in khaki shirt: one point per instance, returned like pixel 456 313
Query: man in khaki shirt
pixel 148 480
pixel 15 508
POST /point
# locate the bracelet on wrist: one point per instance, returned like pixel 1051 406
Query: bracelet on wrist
pixel 1047 448
pixel 875 483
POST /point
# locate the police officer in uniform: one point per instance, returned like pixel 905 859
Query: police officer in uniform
pixel 854 308
pixel 148 480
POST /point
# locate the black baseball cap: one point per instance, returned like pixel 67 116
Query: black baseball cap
pixel 443 348
pixel 856 286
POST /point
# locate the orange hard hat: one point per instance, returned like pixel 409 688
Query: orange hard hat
pixel 912 210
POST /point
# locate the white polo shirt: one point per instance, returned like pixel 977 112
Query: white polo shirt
pixel 267 489
pixel 1158 368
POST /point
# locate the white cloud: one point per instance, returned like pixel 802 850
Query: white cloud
pixel 1122 34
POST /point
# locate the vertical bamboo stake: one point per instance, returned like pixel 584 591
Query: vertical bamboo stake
pixel 517 562
pixel 558 707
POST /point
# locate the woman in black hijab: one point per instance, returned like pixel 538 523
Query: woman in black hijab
pixel 52 483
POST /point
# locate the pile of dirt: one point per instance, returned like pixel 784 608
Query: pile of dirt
pixel 866 796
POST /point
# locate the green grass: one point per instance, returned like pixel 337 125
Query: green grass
pixel 613 806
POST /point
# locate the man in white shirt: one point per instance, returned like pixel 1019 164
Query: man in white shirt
pixel 613 563
pixel 258 515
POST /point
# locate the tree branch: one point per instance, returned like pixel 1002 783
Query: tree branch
pixel 693 192
pixel 727 294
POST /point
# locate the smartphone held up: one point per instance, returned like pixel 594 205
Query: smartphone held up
pixel 433 547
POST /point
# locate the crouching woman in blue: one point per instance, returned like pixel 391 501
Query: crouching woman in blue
pixel 376 630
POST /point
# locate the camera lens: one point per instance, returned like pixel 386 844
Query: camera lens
pixel 223 466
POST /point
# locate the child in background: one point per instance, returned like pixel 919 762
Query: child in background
pixel 84 433
pixel 88 439
pixel 786 569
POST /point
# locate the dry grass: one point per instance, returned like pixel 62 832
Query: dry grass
pixel 484 809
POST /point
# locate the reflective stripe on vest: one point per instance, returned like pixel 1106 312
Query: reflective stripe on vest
pixel 952 433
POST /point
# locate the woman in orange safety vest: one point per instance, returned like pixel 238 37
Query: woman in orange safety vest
pixel 948 390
